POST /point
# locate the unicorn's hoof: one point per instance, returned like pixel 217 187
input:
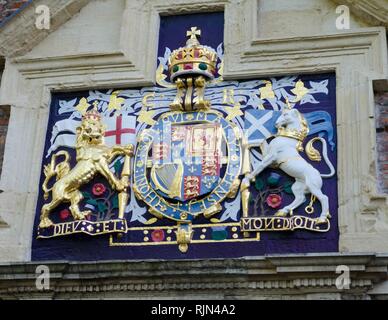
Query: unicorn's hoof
pixel 281 213
pixel 322 220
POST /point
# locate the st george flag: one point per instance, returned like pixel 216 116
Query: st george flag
pixel 120 130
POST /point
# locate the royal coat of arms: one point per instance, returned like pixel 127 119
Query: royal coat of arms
pixel 206 164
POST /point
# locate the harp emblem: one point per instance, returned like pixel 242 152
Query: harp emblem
pixel 167 178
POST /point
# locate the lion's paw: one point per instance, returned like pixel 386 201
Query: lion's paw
pixel 82 215
pixel 45 223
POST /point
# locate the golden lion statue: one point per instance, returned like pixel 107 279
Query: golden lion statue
pixel 93 157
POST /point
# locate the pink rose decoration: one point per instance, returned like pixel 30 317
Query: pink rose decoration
pixel 274 200
pixel 98 189
pixel 64 214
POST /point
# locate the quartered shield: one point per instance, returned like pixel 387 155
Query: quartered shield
pixel 186 160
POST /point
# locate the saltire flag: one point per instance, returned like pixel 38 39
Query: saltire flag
pixel 260 125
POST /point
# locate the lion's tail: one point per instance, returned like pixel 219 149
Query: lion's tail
pixel 314 155
pixel 53 169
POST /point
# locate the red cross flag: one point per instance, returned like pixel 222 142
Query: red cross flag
pixel 120 130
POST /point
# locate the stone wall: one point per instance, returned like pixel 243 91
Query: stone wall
pixel 294 16
pixel 381 100
pixel 10 7
pixel 4 119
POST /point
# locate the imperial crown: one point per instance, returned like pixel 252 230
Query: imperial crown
pixel 193 59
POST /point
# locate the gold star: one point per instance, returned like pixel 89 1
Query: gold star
pixel 233 111
pixel 300 90
pixel 82 106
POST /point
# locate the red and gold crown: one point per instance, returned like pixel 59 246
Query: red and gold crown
pixel 193 59
pixel 92 114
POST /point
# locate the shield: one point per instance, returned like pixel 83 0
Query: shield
pixel 186 160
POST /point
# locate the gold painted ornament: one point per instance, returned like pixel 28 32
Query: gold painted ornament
pixel 93 157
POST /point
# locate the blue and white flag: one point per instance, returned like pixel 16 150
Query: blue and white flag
pixel 260 125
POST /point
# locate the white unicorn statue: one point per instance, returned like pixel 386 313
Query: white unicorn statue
pixel 283 152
